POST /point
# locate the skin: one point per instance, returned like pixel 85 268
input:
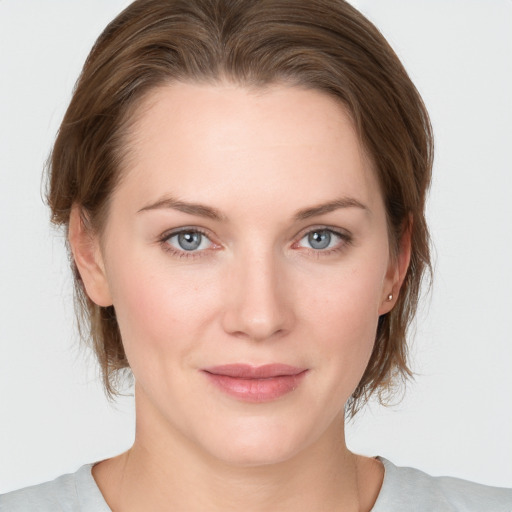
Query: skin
pixel 256 291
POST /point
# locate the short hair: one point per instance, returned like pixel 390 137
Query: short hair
pixel 324 45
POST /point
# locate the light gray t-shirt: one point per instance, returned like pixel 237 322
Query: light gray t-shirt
pixel 403 490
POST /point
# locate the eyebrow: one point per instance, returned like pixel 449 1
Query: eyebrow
pixel 343 202
pixel 197 209
pixel 210 212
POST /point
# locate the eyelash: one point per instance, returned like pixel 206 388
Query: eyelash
pixel 345 241
pixel 176 252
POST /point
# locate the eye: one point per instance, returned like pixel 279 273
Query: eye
pixel 321 239
pixel 189 240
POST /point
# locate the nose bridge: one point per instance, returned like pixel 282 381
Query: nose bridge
pixel 257 303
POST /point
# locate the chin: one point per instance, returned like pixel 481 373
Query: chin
pixel 256 444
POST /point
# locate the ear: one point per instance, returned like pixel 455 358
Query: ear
pixel 396 272
pixel 86 252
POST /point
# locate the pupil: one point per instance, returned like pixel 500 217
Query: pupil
pixel 189 241
pixel 319 239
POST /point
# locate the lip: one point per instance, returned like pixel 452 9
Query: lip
pixel 255 384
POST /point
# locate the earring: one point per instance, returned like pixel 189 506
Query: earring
pixel 390 297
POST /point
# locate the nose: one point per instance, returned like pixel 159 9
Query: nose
pixel 258 303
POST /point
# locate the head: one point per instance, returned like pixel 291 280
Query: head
pixel 323 46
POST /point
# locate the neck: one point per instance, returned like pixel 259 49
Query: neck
pixel 164 470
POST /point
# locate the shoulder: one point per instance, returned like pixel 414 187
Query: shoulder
pixel 68 493
pixel 411 489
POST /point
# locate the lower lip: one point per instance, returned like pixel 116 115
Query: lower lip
pixel 257 390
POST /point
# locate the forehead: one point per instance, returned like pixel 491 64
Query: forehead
pixel 192 139
pixel 222 112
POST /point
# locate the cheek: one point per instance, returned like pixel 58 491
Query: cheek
pixel 159 309
pixel 344 321
pixel 347 300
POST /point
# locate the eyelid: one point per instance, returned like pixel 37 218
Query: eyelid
pixel 345 236
pixel 343 233
pixel 181 253
pixel 183 229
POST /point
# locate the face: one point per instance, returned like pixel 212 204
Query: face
pixel 246 254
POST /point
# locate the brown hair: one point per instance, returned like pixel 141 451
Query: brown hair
pixel 325 45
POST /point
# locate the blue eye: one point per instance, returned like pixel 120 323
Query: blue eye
pixel 320 239
pixel 189 241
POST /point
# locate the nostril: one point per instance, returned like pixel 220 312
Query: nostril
pixel 248 323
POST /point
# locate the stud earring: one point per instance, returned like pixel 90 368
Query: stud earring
pixel 390 297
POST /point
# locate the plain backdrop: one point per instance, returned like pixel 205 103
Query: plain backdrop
pixel 456 417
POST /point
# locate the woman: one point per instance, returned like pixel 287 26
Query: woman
pixel 243 185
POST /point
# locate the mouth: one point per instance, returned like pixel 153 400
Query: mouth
pixel 255 384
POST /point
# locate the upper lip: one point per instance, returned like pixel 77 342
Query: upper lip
pixel 247 371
